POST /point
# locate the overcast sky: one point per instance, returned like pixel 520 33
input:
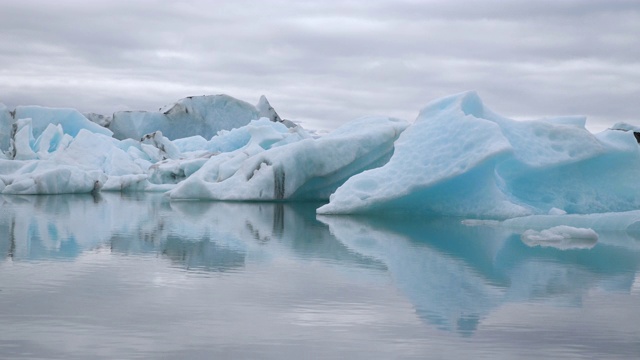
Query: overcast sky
pixel 327 62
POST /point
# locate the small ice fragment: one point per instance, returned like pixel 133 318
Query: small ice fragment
pixel 561 237
pixel 556 211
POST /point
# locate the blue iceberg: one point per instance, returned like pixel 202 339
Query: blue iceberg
pixel 458 158
pixel 461 159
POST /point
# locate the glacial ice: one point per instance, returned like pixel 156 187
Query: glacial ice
pixel 457 159
pixel 70 120
pixel 461 159
pixel 191 116
pixel 273 167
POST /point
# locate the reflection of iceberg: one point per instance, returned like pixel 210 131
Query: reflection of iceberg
pixel 45 227
pixel 265 230
pixel 615 228
pixel 194 235
pixel 450 279
pixel 455 275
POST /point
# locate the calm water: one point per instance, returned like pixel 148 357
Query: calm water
pixel 137 276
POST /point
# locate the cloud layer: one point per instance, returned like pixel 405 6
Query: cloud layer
pixel 327 62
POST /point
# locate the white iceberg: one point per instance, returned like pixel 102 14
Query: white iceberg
pixel 273 167
pixel 195 115
pixel 461 159
pixel 57 163
pixel 195 151
pixel 55 151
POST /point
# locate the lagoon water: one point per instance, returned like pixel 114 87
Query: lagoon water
pixel 137 276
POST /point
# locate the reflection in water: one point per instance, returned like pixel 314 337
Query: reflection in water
pixel 204 236
pixel 454 275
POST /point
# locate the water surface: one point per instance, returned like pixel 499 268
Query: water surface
pixel 137 276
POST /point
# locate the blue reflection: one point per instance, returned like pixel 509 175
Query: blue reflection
pixel 453 274
pixel 202 236
pixel 456 274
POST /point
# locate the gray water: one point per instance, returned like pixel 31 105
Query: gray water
pixel 136 276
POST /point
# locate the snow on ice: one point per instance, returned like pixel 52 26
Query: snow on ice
pixel 458 158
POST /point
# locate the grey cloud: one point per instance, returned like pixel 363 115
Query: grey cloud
pixel 326 62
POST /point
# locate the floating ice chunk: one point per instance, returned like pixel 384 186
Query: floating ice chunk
pixel 461 159
pixel 443 163
pixel 561 237
pixel 275 167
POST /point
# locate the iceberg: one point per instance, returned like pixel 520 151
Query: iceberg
pixel 195 151
pixel 56 163
pixel 271 167
pixel 71 120
pixel 460 159
pixel 55 151
pixel 195 115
